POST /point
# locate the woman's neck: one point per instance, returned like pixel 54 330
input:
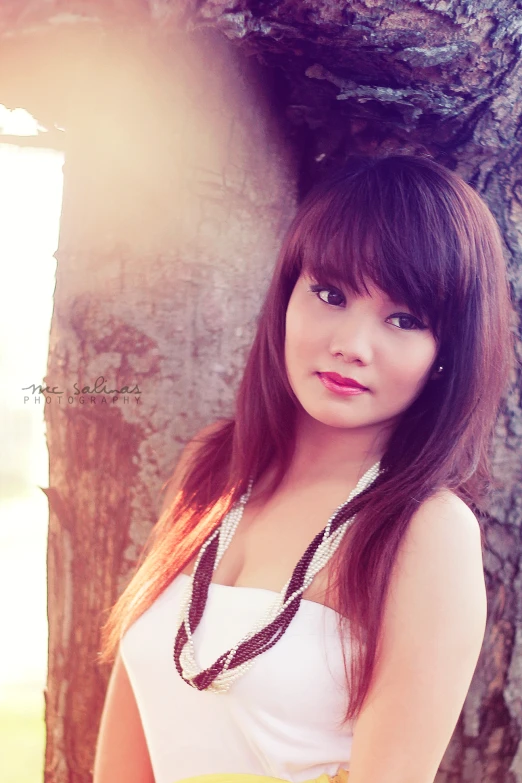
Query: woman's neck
pixel 324 453
pixel 326 457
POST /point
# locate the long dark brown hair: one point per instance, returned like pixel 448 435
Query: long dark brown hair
pixel 422 235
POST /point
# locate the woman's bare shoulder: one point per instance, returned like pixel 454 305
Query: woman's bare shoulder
pixel 446 512
pixel 442 530
pixel 442 552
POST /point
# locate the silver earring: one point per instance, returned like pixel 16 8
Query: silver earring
pixel 440 368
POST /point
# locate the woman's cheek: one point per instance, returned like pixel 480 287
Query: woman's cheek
pixel 299 338
pixel 413 376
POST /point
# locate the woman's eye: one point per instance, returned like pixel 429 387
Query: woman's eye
pixel 406 321
pixel 331 296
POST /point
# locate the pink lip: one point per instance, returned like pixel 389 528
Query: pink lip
pixel 340 385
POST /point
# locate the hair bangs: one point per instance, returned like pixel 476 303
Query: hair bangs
pixel 351 241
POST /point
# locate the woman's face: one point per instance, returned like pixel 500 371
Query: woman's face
pixel 335 340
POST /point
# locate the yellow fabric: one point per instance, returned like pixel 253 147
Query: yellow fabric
pixel 237 777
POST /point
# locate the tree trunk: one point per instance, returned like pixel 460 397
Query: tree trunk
pixel 178 186
pixel 177 192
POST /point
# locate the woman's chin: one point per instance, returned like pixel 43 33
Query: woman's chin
pixel 335 419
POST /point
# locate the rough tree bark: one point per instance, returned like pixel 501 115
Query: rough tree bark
pixel 170 225
pixel 163 292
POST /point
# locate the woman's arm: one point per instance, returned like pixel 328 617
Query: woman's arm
pixel 433 629
pixel 121 751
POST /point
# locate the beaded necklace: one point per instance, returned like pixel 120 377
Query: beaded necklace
pixel 235 662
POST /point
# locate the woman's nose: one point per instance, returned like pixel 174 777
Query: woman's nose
pixel 353 341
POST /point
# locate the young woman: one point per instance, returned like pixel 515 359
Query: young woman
pixel 313 601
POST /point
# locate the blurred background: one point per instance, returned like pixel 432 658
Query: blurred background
pixel 30 206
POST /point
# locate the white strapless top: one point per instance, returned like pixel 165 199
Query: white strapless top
pixel 282 718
